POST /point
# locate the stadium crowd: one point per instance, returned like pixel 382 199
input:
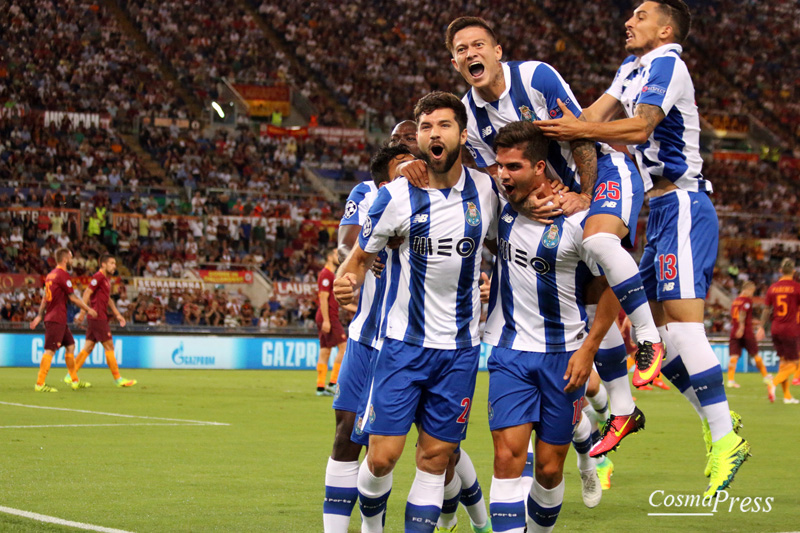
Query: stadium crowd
pixel 72 55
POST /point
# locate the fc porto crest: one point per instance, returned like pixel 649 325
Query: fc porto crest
pixel 371 414
pixel 526 113
pixel 472 214
pixel 359 429
pixel 551 237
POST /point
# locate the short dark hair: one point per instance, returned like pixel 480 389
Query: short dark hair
pixel 105 257
pixel 678 13
pixel 441 100
pixel 61 253
pixel 379 164
pixel 524 133
pixel 466 22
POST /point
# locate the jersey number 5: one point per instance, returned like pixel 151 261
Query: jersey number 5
pixel 48 293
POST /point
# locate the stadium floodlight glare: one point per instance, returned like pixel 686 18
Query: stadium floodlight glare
pixel 218 109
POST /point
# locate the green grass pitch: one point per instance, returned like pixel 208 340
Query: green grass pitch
pixel 264 471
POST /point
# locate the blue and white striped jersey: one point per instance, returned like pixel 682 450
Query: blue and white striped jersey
pixel 532 88
pixel 355 210
pixel 536 302
pixel 370 315
pixel 660 78
pixel 433 299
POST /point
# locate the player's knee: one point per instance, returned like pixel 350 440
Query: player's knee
pixel 549 474
pixel 600 244
pixel 508 462
pixel 380 464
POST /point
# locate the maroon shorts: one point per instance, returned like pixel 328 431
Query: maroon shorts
pixel 748 343
pixel 786 347
pixel 334 337
pixel 57 335
pixel 98 331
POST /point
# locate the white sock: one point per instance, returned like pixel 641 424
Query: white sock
pixel 544 506
pixel 424 501
pixel 341 495
pixel 373 493
pixel 452 494
pixel 507 504
pixel 599 402
pixel 623 276
pixel 582 442
pixel 705 374
pixel 675 371
pixel 471 494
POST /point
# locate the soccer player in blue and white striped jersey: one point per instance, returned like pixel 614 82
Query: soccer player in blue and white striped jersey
pixel 609 183
pixel 427 366
pixel 655 91
pixel 341 473
pixel 542 351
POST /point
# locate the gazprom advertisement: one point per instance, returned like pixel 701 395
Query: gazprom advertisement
pixel 211 352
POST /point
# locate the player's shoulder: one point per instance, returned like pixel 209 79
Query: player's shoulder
pixel 483 181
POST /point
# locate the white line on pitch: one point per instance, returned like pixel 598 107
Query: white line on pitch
pixel 97 425
pixel 115 414
pixel 59 521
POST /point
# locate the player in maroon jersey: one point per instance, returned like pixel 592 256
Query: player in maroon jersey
pixel 743 335
pixel 57 289
pixel 97 294
pixel 783 299
pixel 331 332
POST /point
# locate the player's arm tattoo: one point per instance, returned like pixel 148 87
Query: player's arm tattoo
pixel 585 157
pixel 652 115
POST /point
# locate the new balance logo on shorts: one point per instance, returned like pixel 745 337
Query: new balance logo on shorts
pixel 668 286
pixel 610 204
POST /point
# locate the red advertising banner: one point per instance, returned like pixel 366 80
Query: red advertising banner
pixel 275 93
pixel 285 288
pixel 268 130
pixel 17 281
pixel 226 276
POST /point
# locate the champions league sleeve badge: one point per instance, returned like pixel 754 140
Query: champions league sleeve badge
pixel 472 214
pixel 367 229
pixel 551 237
pixel 350 209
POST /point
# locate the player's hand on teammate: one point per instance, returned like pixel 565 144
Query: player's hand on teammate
pixel 395 241
pixel 344 288
pixel 542 210
pixel 567 128
pixel 485 288
pixel 416 172
pixel 377 268
pixel 80 317
pixel 572 202
pixel 578 369
pixel 35 322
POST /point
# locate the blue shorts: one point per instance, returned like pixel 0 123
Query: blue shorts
pixel 682 239
pixel 353 376
pixel 619 191
pixel 528 387
pixel 433 387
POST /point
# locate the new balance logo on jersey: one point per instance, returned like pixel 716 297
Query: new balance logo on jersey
pixel 668 286
pixel 419 219
pixel 507 218
pixel 465 247
pixel 485 132
pixel 609 203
